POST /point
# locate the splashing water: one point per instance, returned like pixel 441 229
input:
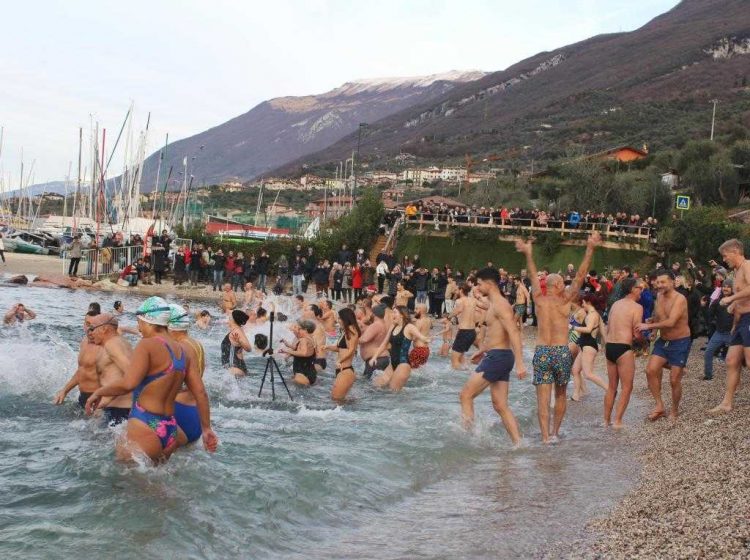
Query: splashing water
pixel 383 476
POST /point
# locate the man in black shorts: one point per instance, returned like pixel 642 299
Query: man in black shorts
pixel 501 347
pixel 467 334
pixel 372 339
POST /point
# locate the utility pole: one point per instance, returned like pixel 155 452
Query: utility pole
pixel 713 118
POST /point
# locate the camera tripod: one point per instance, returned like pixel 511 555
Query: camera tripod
pixel 272 366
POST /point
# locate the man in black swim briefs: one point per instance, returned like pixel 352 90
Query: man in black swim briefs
pixel 624 316
pixel 85 377
pixel 501 348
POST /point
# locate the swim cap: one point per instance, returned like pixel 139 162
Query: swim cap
pixel 155 310
pixel 179 319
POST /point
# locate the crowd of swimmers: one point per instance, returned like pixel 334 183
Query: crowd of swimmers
pixel 157 386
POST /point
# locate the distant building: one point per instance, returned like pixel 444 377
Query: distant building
pixel 623 154
pixel 453 174
pixel 329 207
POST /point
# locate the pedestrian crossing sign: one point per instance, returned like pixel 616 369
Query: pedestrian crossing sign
pixel 683 202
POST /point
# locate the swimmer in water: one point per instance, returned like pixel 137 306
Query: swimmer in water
pixel 447 334
pixel 464 309
pixel 346 350
pixel 228 299
pixel 303 353
pixel 18 314
pixel 112 360
pixel 203 320
pixel 119 309
pixel 158 367
pixel 328 318
pixel 186 412
pixel 400 338
pixel 85 376
pixel 420 351
pixel 234 343
pixel 500 350
pixel 313 313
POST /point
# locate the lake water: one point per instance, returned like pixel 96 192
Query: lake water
pixel 387 476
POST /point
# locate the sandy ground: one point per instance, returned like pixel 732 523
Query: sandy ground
pixel 21 263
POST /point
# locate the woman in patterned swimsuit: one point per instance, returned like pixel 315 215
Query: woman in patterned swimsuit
pixel 157 371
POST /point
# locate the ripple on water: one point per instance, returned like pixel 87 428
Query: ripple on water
pixel 384 476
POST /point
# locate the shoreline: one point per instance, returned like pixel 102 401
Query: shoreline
pixel 691 497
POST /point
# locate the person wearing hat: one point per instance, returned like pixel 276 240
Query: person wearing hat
pixel 189 417
pixel 112 361
pixel 722 321
pixel 158 367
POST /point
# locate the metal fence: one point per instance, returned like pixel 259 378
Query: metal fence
pixel 104 261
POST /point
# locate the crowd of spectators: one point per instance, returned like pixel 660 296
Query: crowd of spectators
pixel 620 221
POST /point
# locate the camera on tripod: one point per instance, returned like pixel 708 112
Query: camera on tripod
pixel 271 365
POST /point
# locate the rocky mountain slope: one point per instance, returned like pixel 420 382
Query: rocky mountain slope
pixel 283 129
pixel 652 85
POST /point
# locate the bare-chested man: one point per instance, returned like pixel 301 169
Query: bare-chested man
pixel 228 299
pixel 18 314
pixel 501 348
pixel 85 377
pixel 372 339
pixel 673 345
pixel 420 350
pixel 467 332
pixel 521 303
pixel 733 253
pixel 313 313
pixel 328 319
pixel 624 316
pixel 111 363
pixel 553 361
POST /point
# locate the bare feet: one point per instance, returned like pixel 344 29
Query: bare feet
pixel 618 425
pixel 655 415
pixel 721 409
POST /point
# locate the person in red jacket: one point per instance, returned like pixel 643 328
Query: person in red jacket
pixel 357 281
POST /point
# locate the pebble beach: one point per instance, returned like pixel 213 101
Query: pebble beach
pixel 692 499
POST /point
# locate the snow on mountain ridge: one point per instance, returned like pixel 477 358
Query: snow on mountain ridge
pixel 383 84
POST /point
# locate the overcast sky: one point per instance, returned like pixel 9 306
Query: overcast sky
pixel 194 64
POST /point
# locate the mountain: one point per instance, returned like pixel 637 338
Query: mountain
pixel 652 85
pixel 283 129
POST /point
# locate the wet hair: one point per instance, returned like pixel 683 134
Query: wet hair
pixel 117 304
pixel 89 313
pixel 261 341
pixel 664 272
pixel 628 284
pixel 316 310
pixel 307 326
pixel 489 273
pixel 240 317
pixel 299 297
pixel 261 312
pixel 205 313
pixel 404 312
pixel 387 301
pixel 350 322
pixel 94 306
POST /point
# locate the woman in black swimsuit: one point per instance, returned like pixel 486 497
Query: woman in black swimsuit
pixel 232 355
pixel 584 362
pixel 303 353
pixel 346 349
